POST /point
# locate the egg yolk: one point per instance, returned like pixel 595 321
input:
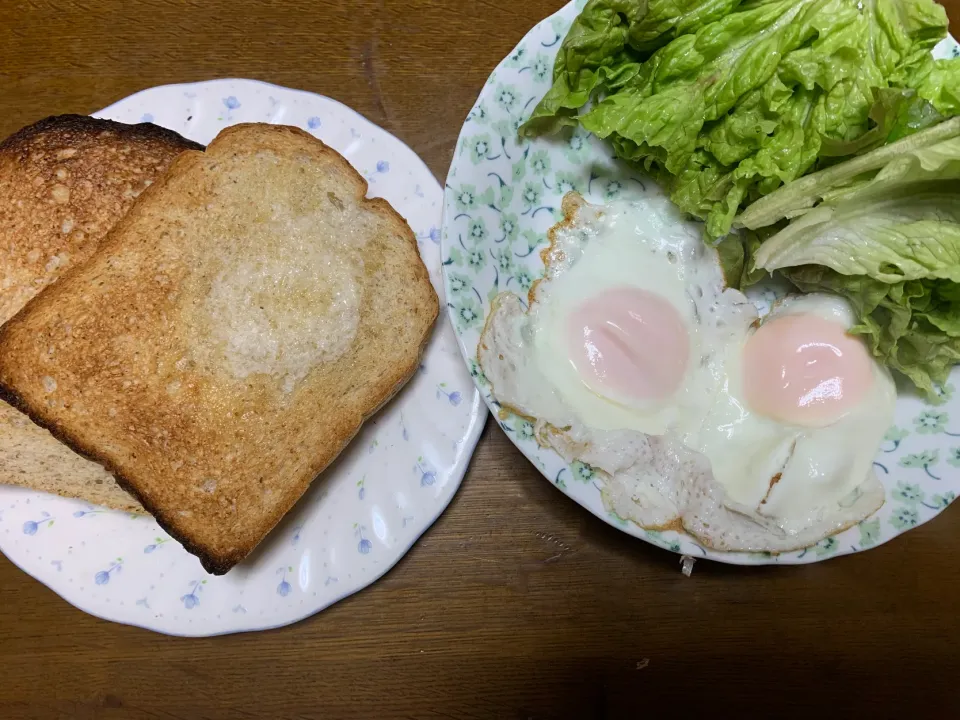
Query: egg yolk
pixel 805 370
pixel 625 341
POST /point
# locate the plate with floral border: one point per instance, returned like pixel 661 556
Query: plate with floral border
pixel 503 193
pixel 361 517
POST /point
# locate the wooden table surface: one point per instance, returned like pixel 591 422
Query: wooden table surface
pixel 518 603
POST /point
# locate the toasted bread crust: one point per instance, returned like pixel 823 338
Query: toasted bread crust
pixel 64 182
pixel 293 439
pixel 58 128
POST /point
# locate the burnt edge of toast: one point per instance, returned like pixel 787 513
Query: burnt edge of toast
pixel 403 375
pixel 57 129
pixel 81 125
pixel 213 564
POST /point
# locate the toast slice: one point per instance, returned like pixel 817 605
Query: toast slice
pixel 64 182
pixel 229 337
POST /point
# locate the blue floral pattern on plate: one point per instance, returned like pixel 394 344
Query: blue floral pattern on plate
pixel 323 548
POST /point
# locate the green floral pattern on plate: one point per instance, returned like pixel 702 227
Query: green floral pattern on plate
pixel 502 195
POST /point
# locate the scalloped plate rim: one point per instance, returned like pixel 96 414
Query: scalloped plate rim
pixel 474 409
pixel 531 451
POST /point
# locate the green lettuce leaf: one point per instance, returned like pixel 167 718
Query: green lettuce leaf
pixel 665 21
pixel 896 113
pixel 735 252
pixel 912 237
pixel 698 78
pixel 593 58
pixel 724 101
pixel 940 84
pixel 903 157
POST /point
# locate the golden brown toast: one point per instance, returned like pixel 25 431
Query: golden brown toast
pixel 64 182
pixel 229 337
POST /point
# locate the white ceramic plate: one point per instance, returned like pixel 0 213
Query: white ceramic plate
pixel 501 196
pixel 356 522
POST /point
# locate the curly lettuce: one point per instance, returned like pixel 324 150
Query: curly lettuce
pixel 724 101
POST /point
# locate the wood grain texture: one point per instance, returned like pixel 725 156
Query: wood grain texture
pixel 517 604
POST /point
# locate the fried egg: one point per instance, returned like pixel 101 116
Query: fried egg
pixel 634 358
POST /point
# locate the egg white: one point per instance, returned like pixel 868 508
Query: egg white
pixel 525 360
pixel 648 246
pixel 701 461
pixel 790 478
